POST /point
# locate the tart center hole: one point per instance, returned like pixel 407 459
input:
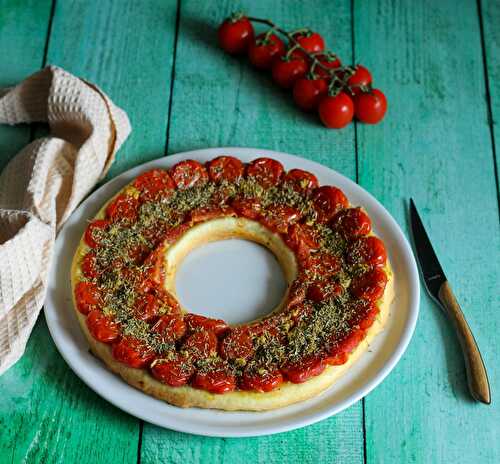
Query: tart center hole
pixel 235 280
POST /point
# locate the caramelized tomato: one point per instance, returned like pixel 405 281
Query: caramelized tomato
pixel 367 250
pixel 87 297
pixel 302 181
pixel 352 222
pixel 123 208
pixel 247 207
pixel 266 171
pixel 201 344
pixel 101 327
pixel 236 345
pixel 91 234
pixel 189 173
pixel 327 201
pixel 174 372
pixel 170 326
pixel 154 184
pixel 225 168
pixel 303 370
pixel 218 381
pixel 132 352
pixel 197 322
pixel 264 381
pixel 371 285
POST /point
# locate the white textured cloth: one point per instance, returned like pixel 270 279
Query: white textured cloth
pixel 43 184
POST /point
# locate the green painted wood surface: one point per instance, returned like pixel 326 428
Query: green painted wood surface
pixel 435 145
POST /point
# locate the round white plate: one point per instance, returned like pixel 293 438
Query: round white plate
pixel 363 377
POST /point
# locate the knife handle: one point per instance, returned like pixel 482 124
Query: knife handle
pixel 477 378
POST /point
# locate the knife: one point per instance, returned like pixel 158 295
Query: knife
pixel 440 290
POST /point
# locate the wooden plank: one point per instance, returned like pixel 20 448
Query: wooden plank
pixel 221 101
pixel 434 146
pixel 48 414
pixel 490 16
pixel 23 30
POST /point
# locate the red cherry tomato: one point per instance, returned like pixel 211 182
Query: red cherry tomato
pixel 189 173
pixel 352 222
pixel 93 230
pixel 88 265
pixel 370 286
pixel 310 41
pixel 237 344
pixel 153 184
pixel 235 35
pixel 266 171
pixel 349 344
pixel 201 344
pixel 302 181
pixel 261 382
pixel 87 297
pixel 286 71
pixel 307 93
pixel 323 265
pixel 369 317
pixel 146 307
pixel 337 111
pixel 174 372
pixel 328 60
pixel 101 327
pixel 303 370
pixel 225 168
pixel 367 250
pixel 302 239
pixel 132 352
pixel 197 322
pixel 247 207
pixel 170 326
pixel 265 49
pixel 322 291
pixel 370 107
pixel 361 77
pixel 327 200
pixel 210 212
pixel 279 218
pixel 123 207
pixel 218 380
pixel 336 359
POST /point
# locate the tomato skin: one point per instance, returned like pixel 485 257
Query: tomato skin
pixel 207 213
pixel 247 207
pixel 307 93
pixel 123 207
pixel 266 382
pixel 369 286
pixel 237 344
pixel 201 344
pixel 235 35
pixel 322 291
pixel 352 222
pixel 311 41
pixel 87 297
pixel 337 111
pixel 146 307
pixel 279 218
pixel 88 265
pixel 323 265
pixel 361 77
pixel 196 322
pixel 170 326
pixel 349 344
pixel 266 171
pixel 217 381
pixel 367 250
pixel 369 317
pixel 226 168
pixel 302 239
pixel 101 327
pixel 330 62
pixel 286 71
pixel 154 183
pixel 90 239
pixel 132 352
pixel 188 173
pixel 370 107
pixel 336 359
pixel 174 372
pixel 303 370
pixel 327 201
pixel 302 181
pixel 263 51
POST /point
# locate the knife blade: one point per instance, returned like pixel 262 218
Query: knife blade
pixel 437 285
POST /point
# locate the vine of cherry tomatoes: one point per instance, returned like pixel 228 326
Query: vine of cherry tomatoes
pixel 301 63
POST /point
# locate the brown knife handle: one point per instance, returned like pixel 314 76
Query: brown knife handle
pixel 477 378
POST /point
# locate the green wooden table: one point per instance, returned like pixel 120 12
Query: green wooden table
pixel 439 65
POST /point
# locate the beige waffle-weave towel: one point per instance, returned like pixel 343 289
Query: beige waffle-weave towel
pixel 43 184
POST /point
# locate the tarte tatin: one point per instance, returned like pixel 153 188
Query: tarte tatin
pixel 123 280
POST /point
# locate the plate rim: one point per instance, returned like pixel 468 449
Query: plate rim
pixel 361 392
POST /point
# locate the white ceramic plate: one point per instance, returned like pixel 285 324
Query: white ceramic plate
pixel 363 377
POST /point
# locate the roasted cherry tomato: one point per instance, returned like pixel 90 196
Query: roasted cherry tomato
pixel 327 201
pixel 266 171
pixel 336 111
pixel 201 344
pixel 235 35
pixel 279 218
pixel 370 107
pixel 247 207
pixel 352 222
pixel 350 343
pixel 336 360
pixel 307 93
pixel 310 41
pixel 225 168
pixel 89 265
pixel 132 352
pixel 189 173
pixel 302 239
pixel 218 380
pixel 297 293
pixel 87 297
pixel 323 265
pixel 303 370
pixel 367 250
pixel 154 269
pixel 287 70
pixel 211 212
pixel 328 60
pixel 123 208
pixel 171 327
pixel 265 49
pixel 237 344
pixel 371 285
pixel 361 77
pixel 302 181
pixel 101 327
pixel 264 381
pixel 153 184
pixel 197 322
pixel 369 317
pixel 147 307
pixel 92 232
pixel 174 372
pixel 323 290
